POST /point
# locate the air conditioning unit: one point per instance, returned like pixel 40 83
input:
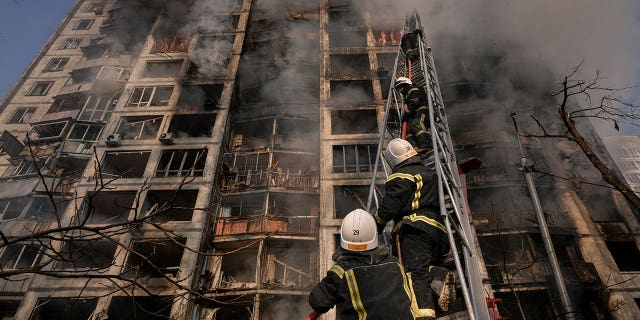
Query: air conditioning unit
pixel 113 140
pixel 166 138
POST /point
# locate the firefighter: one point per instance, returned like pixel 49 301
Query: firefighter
pixel 416 114
pixel 420 238
pixel 366 282
pixel 409 45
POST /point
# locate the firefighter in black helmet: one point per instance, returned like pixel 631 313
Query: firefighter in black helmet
pixel 416 115
pixel 411 199
pixel 366 282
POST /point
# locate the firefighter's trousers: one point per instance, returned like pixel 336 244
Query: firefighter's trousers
pixel 418 133
pixel 419 250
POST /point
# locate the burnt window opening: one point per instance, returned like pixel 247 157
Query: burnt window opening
pixel 42 209
pixel 12 208
pixel 351 91
pixel 63 308
pixel 108 206
pixel 48 131
pixel 218 23
pixel 179 163
pixel 171 205
pixel 225 5
pixel 344 16
pixel 84 75
pixel 71 43
pixel 21 255
pixel 22 115
pixel 8 308
pixel 212 55
pixel 162 257
pixel 192 125
pixel 84 24
pixel 599 202
pixel 252 135
pixel 200 97
pixel 165 42
pixel 354 65
pixel 162 69
pixel 242 206
pixel 625 254
pixel 88 132
pixel 347 198
pixel 239 269
pixel 347 39
pixel 355 158
pixel 140 308
pixel 386 61
pixel 40 88
pixel 128 164
pixel 87 254
pixel 150 96
pixel 272 308
pixel 139 128
pixel 536 304
pixel 385 85
pixel 234 311
pixel 68 103
pixel 354 121
pixel 296 134
pixel 55 64
pixel 289 267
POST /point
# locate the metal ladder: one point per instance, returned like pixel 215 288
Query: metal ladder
pixel 452 202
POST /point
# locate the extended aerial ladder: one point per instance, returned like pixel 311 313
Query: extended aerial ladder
pixel 415 61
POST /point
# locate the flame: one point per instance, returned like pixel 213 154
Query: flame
pixel 389 38
pixel 383 37
pixel 394 38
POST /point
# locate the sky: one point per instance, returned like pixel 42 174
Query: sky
pixel 25 25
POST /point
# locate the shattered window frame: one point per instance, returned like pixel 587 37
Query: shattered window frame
pixel 69 103
pixel 143 133
pixel 174 163
pixel 354 165
pixel 16 256
pixel 70 43
pixel 22 115
pixel 40 88
pixel 98 108
pixel 147 96
pixel 91 132
pixel 162 68
pixel 56 64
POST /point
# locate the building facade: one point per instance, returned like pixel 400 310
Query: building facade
pixel 194 159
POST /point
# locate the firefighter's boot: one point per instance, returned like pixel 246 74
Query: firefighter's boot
pixel 444 287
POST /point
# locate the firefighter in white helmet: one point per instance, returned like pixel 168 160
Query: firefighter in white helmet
pixel 366 282
pixel 416 115
pixel 420 239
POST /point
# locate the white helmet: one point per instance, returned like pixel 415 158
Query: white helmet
pixel 358 231
pixel 402 80
pixel 397 151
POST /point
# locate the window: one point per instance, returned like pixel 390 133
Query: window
pixel 99 108
pixel 8 308
pixel 351 91
pixel 129 164
pixel 356 158
pixel 50 130
pixel 166 42
pixel 631 151
pixel 12 208
pixel 83 24
pixel 204 96
pixel 354 121
pixel 171 205
pixel 19 256
pixel 56 64
pixel 179 163
pixel 22 115
pixel 626 255
pixel 71 43
pixel 21 168
pixel 40 88
pixel 142 308
pixel 96 254
pixel 68 103
pixel 139 128
pixel 634 177
pixel 162 69
pixel 96 8
pixel 354 65
pixel 150 96
pixel 109 206
pixel 64 308
pixel 348 198
pixel 631 164
pixel 192 125
pixel 161 257
pixel 85 132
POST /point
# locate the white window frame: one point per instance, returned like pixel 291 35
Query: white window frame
pixel 36 84
pixel 146 102
pixel 81 21
pixel 94 105
pixel 70 43
pixel 25 115
pixel 142 123
pixel 56 64
pixel 185 168
pixel 22 168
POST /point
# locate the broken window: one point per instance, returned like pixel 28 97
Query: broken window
pixel 140 308
pixel 22 115
pixel 40 88
pixel 247 170
pixel 351 91
pixel 108 206
pixel 192 125
pixel 344 16
pixel 218 23
pixel 42 209
pixel 536 304
pixel 71 43
pixel 387 36
pixel 51 130
pixel 127 164
pixel 347 198
pixel 288 267
pixel 166 43
pixel 355 158
pixel 88 132
pixel 171 205
pixel 354 121
pixel 238 269
pixel 280 306
pixel 69 103
pixel 347 39
pixel 64 308
pixel 8 308
pixel 20 256
pixel 55 64
pixel 162 69
pixel 150 96
pixel 296 134
pixel 626 255
pixel 202 97
pixel 179 163
pixel 99 108
pixel 87 254
pixel 161 257
pixel 354 65
pixel 234 310
pixel 139 128
pixel 83 24
pixel 20 168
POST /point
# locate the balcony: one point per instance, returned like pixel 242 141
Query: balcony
pixel 269 178
pixel 266 224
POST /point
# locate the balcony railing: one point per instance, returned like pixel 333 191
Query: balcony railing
pixel 256 179
pixel 266 224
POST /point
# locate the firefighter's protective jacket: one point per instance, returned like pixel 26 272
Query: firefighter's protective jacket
pixel 363 285
pixel 416 98
pixel 411 197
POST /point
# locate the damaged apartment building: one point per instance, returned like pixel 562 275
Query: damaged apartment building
pixel 193 159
